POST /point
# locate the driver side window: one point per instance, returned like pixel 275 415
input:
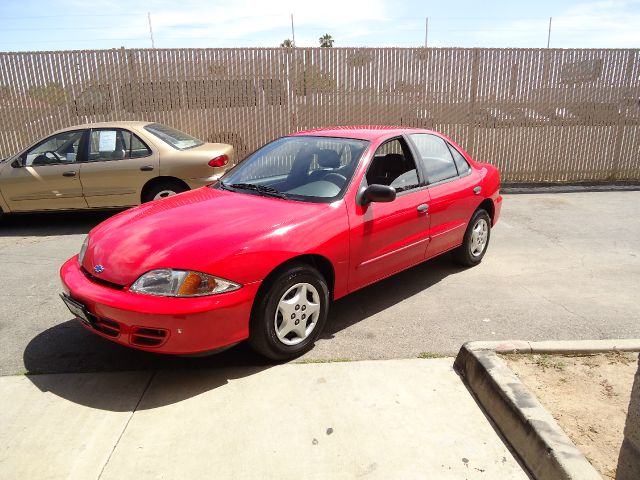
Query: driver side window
pixel 57 149
pixel 393 165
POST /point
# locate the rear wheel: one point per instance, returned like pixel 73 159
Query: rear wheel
pixel 476 240
pixel 163 189
pixel 290 316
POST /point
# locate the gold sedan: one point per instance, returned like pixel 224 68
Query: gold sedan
pixel 103 165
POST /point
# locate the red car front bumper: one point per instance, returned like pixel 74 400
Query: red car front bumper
pixel 161 324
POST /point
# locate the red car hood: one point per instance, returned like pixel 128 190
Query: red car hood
pixel 200 230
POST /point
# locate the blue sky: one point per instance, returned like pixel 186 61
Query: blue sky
pixel 82 24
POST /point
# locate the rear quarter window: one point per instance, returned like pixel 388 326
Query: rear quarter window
pixel 460 161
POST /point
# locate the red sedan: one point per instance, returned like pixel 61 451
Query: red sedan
pixel 261 253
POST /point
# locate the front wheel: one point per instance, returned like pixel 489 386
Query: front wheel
pixel 476 240
pixel 290 316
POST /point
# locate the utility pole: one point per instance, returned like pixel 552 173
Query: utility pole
pixel 426 31
pixel 549 34
pixel 293 32
pixel 153 45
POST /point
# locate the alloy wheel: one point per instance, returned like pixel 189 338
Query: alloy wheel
pixel 297 313
pixel 479 235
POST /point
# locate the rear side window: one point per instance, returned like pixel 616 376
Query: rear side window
pixel 461 162
pixel 435 157
pixel 115 144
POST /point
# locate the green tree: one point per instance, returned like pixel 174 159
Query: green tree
pixel 287 43
pixel 326 41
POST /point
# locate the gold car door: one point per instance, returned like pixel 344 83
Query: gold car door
pixel 118 165
pixel 45 177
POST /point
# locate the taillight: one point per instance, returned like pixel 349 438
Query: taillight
pixel 219 161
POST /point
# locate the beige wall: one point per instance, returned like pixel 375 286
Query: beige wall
pixel 540 115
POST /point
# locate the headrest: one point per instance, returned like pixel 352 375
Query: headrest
pixel 328 158
pixel 394 162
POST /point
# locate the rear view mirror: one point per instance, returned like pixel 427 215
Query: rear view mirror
pixel 378 193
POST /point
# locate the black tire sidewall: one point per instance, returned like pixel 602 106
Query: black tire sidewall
pixel 263 335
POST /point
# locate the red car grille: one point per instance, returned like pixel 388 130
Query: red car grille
pixel 100 281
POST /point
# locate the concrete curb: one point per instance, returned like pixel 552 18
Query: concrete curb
pixel 531 430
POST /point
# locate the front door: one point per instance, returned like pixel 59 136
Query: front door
pixel 388 237
pixel 118 165
pixel 46 177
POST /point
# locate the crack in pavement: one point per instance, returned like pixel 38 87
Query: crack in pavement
pixel 124 429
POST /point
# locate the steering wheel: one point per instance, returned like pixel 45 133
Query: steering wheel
pixel 56 157
pixel 335 178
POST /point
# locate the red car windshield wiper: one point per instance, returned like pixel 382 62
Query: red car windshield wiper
pixel 270 191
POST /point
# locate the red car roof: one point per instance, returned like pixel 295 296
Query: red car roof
pixel 364 132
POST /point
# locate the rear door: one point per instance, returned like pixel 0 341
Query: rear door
pixel 118 165
pixel 388 237
pixel 46 177
pixel 452 188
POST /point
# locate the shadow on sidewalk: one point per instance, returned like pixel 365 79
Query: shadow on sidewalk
pixel 629 458
pixel 70 348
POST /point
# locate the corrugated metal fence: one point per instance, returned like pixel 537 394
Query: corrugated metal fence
pixel 541 115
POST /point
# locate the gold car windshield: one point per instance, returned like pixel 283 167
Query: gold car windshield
pixel 308 168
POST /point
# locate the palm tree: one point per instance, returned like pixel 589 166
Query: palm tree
pixel 326 41
pixel 287 43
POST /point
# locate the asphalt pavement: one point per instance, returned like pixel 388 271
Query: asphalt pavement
pixel 559 266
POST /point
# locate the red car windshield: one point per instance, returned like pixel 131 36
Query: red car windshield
pixel 316 169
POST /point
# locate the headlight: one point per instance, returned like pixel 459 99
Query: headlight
pixel 83 250
pixel 167 282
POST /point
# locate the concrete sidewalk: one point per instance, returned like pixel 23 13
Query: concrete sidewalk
pixel 379 419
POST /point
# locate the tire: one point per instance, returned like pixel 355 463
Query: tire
pixel 165 188
pixel 470 253
pixel 280 328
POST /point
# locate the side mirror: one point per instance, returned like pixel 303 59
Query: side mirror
pixel 17 163
pixel 378 193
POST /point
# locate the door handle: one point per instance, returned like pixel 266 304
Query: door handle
pixel 70 173
pixel 146 168
pixel 423 207
pixel 477 190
